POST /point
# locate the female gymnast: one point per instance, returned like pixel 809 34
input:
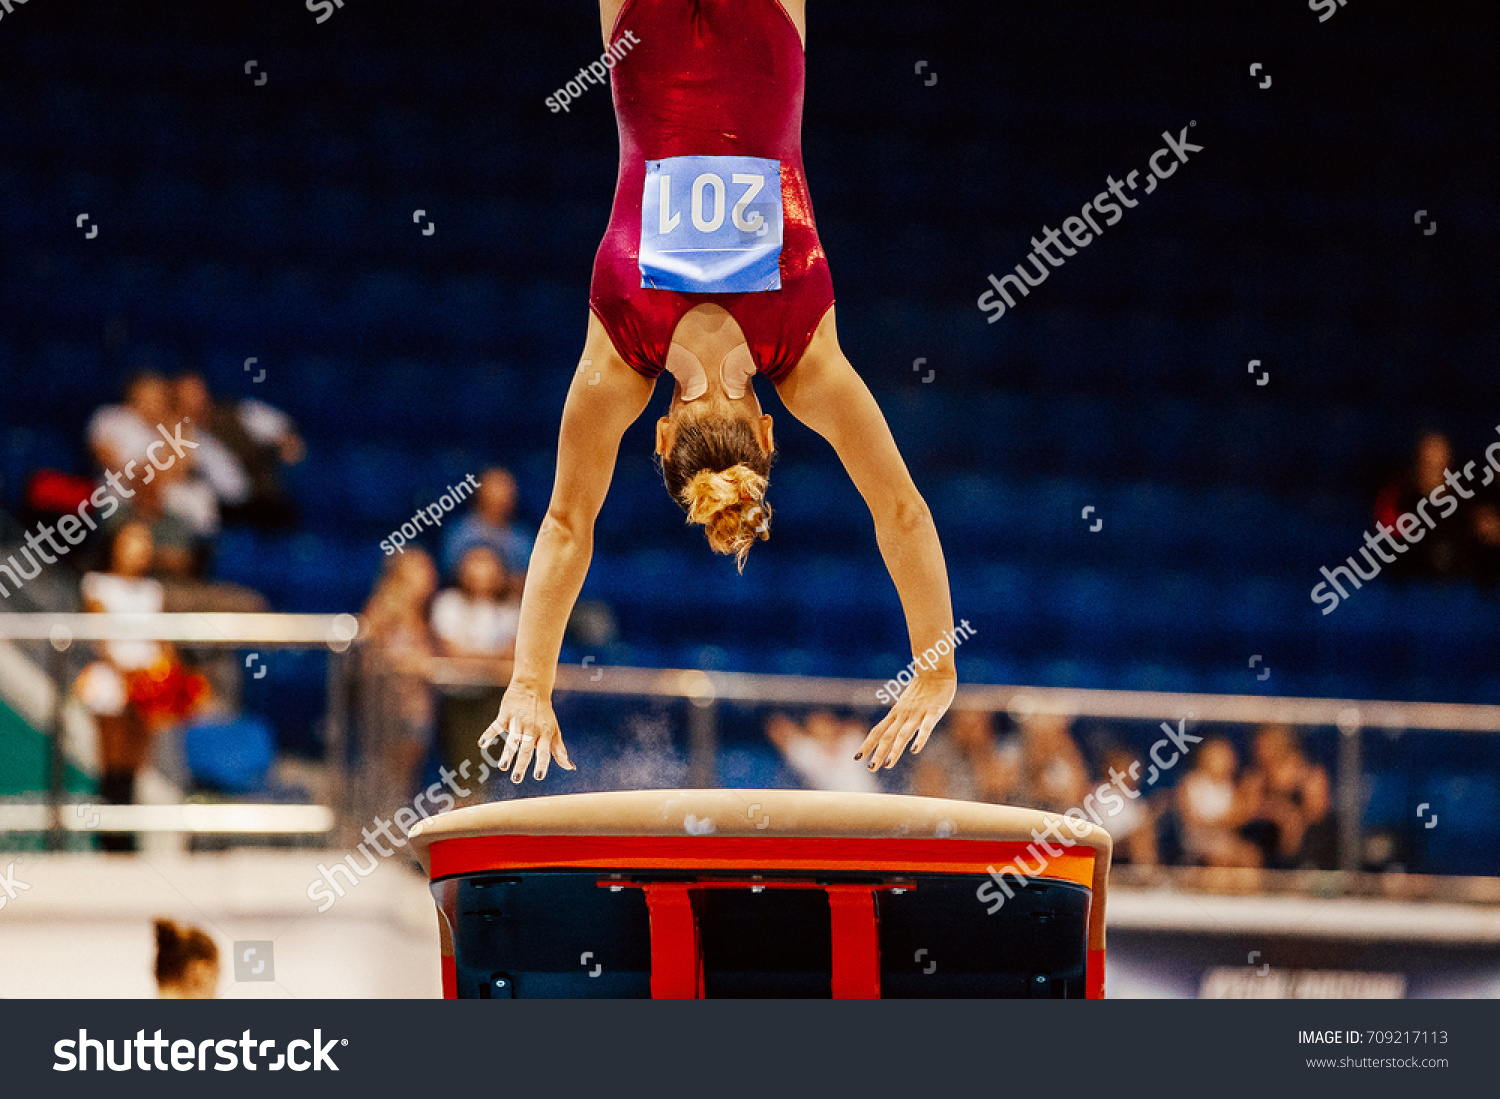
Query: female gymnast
pixel 711 269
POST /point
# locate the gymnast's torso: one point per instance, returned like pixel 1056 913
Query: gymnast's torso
pixel 709 108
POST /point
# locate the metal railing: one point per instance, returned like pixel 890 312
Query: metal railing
pixel 351 796
pixel 706 690
pixel 211 630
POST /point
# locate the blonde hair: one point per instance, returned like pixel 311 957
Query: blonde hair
pixel 718 473
pixel 731 506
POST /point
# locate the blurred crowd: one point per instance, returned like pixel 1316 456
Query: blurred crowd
pixel 472 622
pixel 138 689
pixel 1271 810
pixel 155 555
pixel 229 473
pixel 1262 803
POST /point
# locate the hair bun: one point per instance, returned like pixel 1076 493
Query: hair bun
pixel 730 504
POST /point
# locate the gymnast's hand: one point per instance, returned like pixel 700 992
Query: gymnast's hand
pixel 529 727
pixel 916 712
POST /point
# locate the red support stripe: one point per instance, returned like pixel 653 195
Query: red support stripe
pixel 1094 982
pixel 450 978
pixel 676 952
pixel 856 942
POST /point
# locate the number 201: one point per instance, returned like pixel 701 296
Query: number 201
pixel 753 185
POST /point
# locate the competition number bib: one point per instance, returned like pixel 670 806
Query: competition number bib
pixel 711 225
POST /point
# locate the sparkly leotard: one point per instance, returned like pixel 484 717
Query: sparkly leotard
pixel 710 78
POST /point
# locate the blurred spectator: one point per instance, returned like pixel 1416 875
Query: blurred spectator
pixel 962 760
pixel 220 467
pixel 477 623
pixel 1464 544
pixel 400 708
pixel 185 494
pixel 1053 774
pixel 475 619
pixel 242 447
pixel 175 551
pixel 1289 801
pixel 178 558
pixel 187 963
pixel 1133 825
pixel 491 523
pixel 138 688
pixel 121 437
pixel 1211 809
pixel 119 434
pixel 821 752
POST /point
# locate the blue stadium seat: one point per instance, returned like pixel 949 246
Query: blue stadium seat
pixel 1471 803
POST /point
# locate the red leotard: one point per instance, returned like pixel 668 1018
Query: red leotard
pixel 710 78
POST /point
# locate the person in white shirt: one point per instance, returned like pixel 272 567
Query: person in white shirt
pixel 475 622
pixel 214 462
pixel 121 437
pixel 1212 809
pixel 472 619
pixel 127 589
pixel 242 445
pixel 1132 822
pixel 120 434
pixel 140 686
pixel 821 752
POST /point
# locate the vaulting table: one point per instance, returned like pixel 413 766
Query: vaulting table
pixel 693 893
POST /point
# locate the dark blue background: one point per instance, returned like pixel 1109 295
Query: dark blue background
pixel 276 222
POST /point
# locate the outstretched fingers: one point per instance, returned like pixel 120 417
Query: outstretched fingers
pixel 896 739
pixel 532 739
pixel 872 742
pixel 525 748
pixel 495 731
pixel 560 752
pixel 512 741
pixel 543 758
pixel 929 723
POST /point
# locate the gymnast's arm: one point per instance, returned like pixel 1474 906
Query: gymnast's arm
pixel 605 398
pixel 827 395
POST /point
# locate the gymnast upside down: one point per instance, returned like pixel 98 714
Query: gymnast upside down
pixel 708 273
